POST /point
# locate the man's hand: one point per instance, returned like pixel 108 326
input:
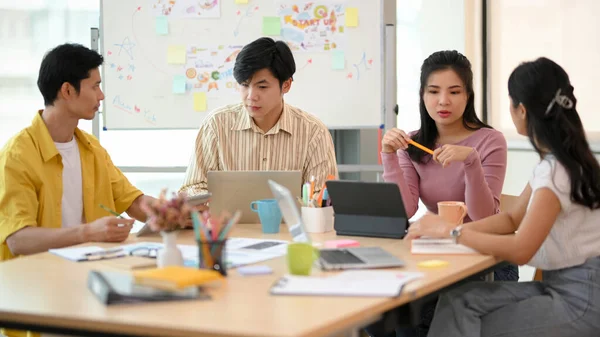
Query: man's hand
pixel 108 229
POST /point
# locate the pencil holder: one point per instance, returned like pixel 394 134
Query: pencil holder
pixel 317 219
pixel 211 255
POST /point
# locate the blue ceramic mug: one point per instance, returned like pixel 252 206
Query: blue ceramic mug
pixel 268 213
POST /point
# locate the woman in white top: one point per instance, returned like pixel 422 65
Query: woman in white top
pixel 555 227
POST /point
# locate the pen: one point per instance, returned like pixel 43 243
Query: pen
pixel 305 191
pixel 104 252
pixel 111 211
pixel 325 199
pixel 320 197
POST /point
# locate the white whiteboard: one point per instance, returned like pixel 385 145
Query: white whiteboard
pixel 138 80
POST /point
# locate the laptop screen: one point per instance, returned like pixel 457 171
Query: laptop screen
pixel 290 212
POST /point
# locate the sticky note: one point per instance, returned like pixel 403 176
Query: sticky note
pixel 351 17
pixel 241 1
pixel 199 101
pixel 161 25
pixel 271 25
pixel 179 84
pixel 432 263
pixel 338 61
pixel 341 243
pixel 176 55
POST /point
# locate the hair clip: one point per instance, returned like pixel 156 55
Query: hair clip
pixel 562 101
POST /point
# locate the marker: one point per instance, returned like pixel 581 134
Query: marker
pixel 111 211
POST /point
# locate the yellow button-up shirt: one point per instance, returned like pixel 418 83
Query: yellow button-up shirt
pixel 31 184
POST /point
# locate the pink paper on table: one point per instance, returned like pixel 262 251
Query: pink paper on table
pixel 341 243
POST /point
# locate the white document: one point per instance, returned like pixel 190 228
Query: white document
pixel 366 283
pixel 90 253
pixel 278 247
pixel 439 246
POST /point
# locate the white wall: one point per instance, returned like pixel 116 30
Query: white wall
pixel 562 30
pixel 423 27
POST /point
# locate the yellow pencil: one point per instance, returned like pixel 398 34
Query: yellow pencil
pixel 415 144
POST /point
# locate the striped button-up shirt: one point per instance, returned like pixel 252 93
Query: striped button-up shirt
pixel 229 140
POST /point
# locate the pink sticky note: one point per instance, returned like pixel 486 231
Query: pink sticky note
pixel 341 243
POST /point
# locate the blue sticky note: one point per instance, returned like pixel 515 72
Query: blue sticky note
pixel 179 84
pixel 161 25
pixel 338 60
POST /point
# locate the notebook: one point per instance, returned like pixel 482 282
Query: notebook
pixel 439 246
pixel 366 283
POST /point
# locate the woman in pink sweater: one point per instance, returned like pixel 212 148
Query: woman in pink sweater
pixel 469 159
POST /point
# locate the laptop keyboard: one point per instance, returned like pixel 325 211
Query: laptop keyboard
pixel 340 257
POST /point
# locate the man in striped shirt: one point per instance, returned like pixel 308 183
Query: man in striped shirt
pixel 262 132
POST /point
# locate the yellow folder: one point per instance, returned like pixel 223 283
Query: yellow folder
pixel 175 277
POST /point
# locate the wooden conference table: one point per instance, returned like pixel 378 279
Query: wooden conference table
pixel 44 292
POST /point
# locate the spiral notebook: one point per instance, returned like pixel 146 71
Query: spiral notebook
pixel 365 283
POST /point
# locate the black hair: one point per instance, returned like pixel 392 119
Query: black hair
pixel 69 63
pixel 428 132
pixel 264 53
pixel 553 124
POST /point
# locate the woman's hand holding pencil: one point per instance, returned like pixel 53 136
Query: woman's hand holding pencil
pixel 396 139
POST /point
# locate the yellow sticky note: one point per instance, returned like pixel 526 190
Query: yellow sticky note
pixel 432 263
pixel 176 55
pixel 351 17
pixel 199 101
pixel 241 1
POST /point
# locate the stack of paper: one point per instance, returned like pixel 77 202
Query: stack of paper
pixel 368 283
pixel 439 246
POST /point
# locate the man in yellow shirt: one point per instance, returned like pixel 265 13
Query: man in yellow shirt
pixel 53 176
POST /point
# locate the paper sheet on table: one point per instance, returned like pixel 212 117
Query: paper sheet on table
pixel 238 251
pixel 75 253
pixel 368 283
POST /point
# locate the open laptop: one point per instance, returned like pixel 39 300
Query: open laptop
pixel 330 259
pixel 235 190
pixel 367 209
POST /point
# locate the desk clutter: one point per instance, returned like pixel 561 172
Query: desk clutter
pixel 207 262
pixel 238 252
